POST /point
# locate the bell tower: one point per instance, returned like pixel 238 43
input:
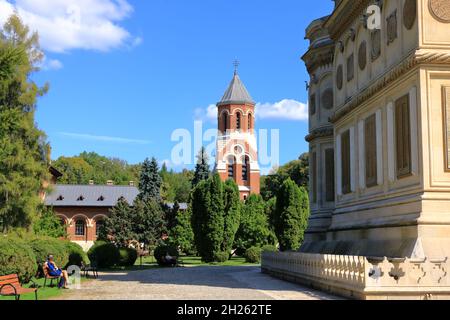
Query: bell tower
pixel 237 155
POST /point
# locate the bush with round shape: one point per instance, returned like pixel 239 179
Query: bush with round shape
pixel 253 255
pixel 269 248
pixel 77 256
pixel 163 250
pixel 16 257
pixel 221 257
pixel 43 247
pixel 104 254
pixel 128 257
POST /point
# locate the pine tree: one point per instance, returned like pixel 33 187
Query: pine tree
pixel 291 215
pixel 24 151
pixel 119 227
pixel 202 169
pixel 232 214
pixel 150 181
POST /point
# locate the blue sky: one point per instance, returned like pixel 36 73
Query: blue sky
pixel 125 74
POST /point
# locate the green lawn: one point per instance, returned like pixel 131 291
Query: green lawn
pixel 190 261
pixel 43 293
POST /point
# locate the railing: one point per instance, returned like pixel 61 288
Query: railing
pixel 363 274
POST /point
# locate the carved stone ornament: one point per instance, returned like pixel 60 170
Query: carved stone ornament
pixel 409 13
pixel 340 77
pixel 440 9
pixel 392 32
pixel 362 55
pixel 350 67
pixel 376 44
pixel 327 99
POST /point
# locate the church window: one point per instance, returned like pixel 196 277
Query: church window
pixel 314 177
pixel 80 228
pixel 345 160
pixel 250 122
pixel 329 175
pixel 403 137
pixel 231 168
pixel 246 169
pixel 225 122
pixel 238 121
pixel 370 143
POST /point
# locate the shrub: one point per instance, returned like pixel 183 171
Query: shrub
pixel 269 248
pixel 162 250
pixel 42 247
pixel 253 255
pixel 104 254
pixel 16 257
pixel 128 257
pixel 221 257
pixel 77 256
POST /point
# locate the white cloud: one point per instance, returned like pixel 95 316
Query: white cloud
pixel 286 109
pixel 51 64
pixel 91 137
pixel 65 25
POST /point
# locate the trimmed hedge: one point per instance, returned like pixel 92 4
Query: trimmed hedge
pixel 128 257
pixel 104 254
pixel 42 247
pixel 16 257
pixel 162 250
pixel 221 257
pixel 253 255
pixel 77 256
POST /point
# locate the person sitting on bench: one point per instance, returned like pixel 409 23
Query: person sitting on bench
pixel 54 271
pixel 169 260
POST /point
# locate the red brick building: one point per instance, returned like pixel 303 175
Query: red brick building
pixel 237 154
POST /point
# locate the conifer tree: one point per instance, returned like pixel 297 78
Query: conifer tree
pixel 291 215
pixel 202 169
pixel 148 222
pixel 119 226
pixel 232 214
pixel 182 235
pixel 24 151
pixel 150 181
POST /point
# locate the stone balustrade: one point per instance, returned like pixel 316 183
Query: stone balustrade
pixel 363 277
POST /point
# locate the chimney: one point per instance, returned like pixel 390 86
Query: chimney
pixel 131 184
pixel 109 183
pixel 91 182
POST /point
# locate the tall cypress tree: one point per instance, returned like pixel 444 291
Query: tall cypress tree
pixel 24 153
pixel 202 169
pixel 291 215
pixel 150 181
pixel 232 214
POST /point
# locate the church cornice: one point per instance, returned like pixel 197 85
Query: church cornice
pixel 320 133
pixel 415 59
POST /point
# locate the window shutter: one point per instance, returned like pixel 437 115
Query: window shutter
pixel 370 143
pixel 403 137
pixel 345 156
pixel 329 175
pixel 314 177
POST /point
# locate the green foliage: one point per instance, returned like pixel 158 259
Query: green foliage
pixel 292 213
pixel 150 181
pixel 182 235
pixel 254 230
pixel 24 150
pixel 297 170
pixel 176 187
pixel 16 257
pixel 48 224
pixel 77 256
pixel 128 257
pixel 221 257
pixel 253 255
pixel 43 247
pixel 269 248
pixel 162 251
pixel 92 166
pixel 149 224
pixel 104 254
pixel 232 215
pixel 119 227
pixel 202 169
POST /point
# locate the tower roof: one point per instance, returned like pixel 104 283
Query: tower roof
pixel 236 93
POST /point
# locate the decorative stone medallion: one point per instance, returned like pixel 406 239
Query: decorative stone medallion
pixel 440 10
pixel 339 77
pixel 392 32
pixel 362 55
pixel 350 67
pixel 375 37
pixel 409 13
pixel 327 99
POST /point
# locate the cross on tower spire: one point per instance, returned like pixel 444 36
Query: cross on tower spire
pixel 236 64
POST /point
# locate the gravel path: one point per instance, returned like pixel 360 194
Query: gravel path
pixel 192 283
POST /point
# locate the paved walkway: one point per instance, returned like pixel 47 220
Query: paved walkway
pixel 192 283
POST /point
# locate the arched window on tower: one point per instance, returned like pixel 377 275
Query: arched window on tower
pixel 246 169
pixel 231 162
pixel 238 121
pixel 250 122
pixel 225 122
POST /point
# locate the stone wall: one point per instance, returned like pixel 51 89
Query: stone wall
pixel 363 278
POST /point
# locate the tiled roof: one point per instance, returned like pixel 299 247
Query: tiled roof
pixel 236 92
pixel 89 195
